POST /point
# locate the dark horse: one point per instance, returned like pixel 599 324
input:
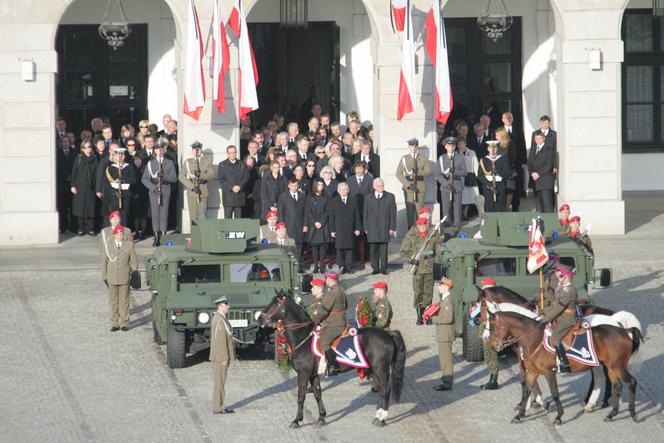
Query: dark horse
pixel 385 352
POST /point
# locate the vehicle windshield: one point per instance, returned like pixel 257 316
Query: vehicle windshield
pixel 495 267
pixel 254 272
pixel 200 274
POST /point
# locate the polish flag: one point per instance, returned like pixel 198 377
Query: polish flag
pixel 194 88
pixel 407 77
pixel 436 46
pixel 220 58
pixel 398 13
pixel 248 78
pixel 537 253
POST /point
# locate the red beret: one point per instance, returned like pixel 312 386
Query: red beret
pixel 424 210
pixel 380 285
pixel 332 275
pixel 564 207
pixel 271 214
pixel 422 221
pixel 317 282
pixel 280 225
pixel 488 281
pixel 114 214
pixel 576 218
pixel 118 228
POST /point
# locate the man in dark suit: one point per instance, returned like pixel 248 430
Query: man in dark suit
pixel 64 162
pixel 541 163
pixel 345 226
pixel 255 153
pixel 293 131
pixel 379 224
pixel 233 175
pixel 551 140
pixel 520 157
pixel 367 155
pixel 477 142
pixel 303 153
pixel 291 211
pixel 60 130
pixel 361 184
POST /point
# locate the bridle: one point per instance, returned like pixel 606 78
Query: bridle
pixel 280 304
pixel 509 341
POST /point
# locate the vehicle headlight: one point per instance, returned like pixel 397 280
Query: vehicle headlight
pixel 257 315
pixel 203 317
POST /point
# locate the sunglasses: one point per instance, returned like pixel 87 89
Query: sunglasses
pixel 143 127
pixel 310 166
pixel 131 145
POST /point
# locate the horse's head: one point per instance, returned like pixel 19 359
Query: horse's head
pixel 275 311
pixel 501 334
pixel 509 323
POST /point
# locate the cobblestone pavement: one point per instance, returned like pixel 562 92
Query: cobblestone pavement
pixel 64 377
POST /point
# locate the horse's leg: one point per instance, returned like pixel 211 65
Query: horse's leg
pixel 535 400
pixel 593 390
pixel 616 382
pixel 302 381
pixel 631 382
pixel 531 378
pixel 381 379
pixel 553 387
pixel 314 380
pixel 607 388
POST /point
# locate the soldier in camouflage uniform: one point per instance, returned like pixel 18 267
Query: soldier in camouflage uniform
pixel 490 354
pixel 563 310
pixel 423 276
pixel 574 232
pixel 317 292
pixel 383 308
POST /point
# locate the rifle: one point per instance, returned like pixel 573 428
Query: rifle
pixel 416 257
pixel 197 179
pixel 160 174
pixel 450 182
pixel 414 178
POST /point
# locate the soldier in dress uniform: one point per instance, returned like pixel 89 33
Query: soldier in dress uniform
pixel 194 175
pixel 158 176
pixel 411 172
pixel 563 310
pixel 382 307
pixel 118 260
pixel 269 231
pixel 574 232
pixel 412 243
pixel 563 215
pixel 490 354
pixel 117 180
pixel 332 318
pixel 222 353
pixel 450 173
pixel 317 291
pixel 444 322
pixel 106 234
pixel 283 239
pixel 492 175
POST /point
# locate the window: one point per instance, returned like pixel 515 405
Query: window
pixel 496 267
pixel 255 272
pixel 200 274
pixel 643 82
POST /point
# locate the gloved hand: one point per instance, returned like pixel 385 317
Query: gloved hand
pixel 160 174
pixel 539 318
pixel 413 188
pixel 486 334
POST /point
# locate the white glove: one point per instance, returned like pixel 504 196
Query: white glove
pixel 486 334
pixel 538 318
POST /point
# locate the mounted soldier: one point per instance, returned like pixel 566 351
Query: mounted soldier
pixel 332 319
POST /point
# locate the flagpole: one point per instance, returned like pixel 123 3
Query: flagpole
pixel 541 285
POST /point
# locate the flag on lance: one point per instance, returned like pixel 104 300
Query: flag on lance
pixel 248 75
pixel 194 88
pixel 537 254
pixel 398 14
pixel 220 58
pixel 406 97
pixel 436 46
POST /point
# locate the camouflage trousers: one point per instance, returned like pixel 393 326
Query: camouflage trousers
pixel 490 354
pixel 422 290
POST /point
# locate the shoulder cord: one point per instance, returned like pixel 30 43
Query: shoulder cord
pixel 112 260
pixel 405 168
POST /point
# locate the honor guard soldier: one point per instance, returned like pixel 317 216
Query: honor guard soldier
pixel 563 310
pixel 118 260
pixel 411 172
pixel 158 176
pixel 418 249
pixel 107 232
pixel 444 322
pixel 118 178
pixel 194 175
pixel 332 318
pixel 222 353
pixel 317 291
pixel 382 307
pixel 283 239
pixel 574 232
pixel 490 354
pixel 269 231
pixel 492 174
pixel 450 173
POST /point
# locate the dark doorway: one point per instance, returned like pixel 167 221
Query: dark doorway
pixel 296 65
pixel 485 75
pixel 94 80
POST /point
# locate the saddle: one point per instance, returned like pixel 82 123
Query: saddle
pixel 347 348
pixel 335 342
pixel 578 343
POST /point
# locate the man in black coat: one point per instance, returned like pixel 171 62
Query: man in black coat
pixel 492 175
pixel 345 227
pixel 520 157
pixel 541 163
pixel 291 206
pixel 233 176
pixel 64 161
pixel 551 140
pixel 361 184
pixel 379 223
pixel 367 155
pixel 273 184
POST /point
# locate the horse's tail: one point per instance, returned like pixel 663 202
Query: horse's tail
pixel 398 364
pixel 635 361
pixel 637 338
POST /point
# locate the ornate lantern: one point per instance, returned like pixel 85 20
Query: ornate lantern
pixel 115 33
pixel 495 25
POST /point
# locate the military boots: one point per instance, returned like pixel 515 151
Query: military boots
pixel 563 363
pixel 445 385
pixel 492 385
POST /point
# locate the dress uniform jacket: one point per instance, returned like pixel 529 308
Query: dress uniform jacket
pixel 444 321
pixel 222 347
pixel 458 172
pixel 232 174
pixel 563 311
pixel 83 179
pixel 117 264
pixel 488 168
pixel 332 315
pixel 383 313
pixel 380 216
pixel 188 175
pixel 150 177
pixel 291 212
pixel 118 183
pixel 406 167
pixel 269 234
pixel 344 221
pixel 315 307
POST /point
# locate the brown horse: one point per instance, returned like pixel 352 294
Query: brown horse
pixel 614 347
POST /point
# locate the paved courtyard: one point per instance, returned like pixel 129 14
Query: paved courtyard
pixel 64 377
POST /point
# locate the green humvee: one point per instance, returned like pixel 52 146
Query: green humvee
pixel 499 249
pixel 189 272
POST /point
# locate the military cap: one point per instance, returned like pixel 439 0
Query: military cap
pixel 120 150
pixel 576 218
pixel 422 221
pixel 222 299
pixel 380 285
pixel 118 229
pixel 317 282
pixel 563 268
pixel 564 207
pixel 450 141
pixel 492 142
pixel 271 214
pixel 569 273
pixel 413 142
pixel 280 225
pixel 113 214
pixel 447 282
pixel 196 145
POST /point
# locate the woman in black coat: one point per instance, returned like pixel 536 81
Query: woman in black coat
pixel 83 188
pixel 316 221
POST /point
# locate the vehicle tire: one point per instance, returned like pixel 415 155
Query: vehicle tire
pixel 472 343
pixel 176 347
pixel 155 334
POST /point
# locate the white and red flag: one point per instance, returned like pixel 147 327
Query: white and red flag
pixel 194 84
pixel 406 97
pixel 220 58
pixel 537 254
pixel 248 78
pixel 398 9
pixel 436 46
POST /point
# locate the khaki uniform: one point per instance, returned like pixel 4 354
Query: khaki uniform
pixel 116 266
pixel 222 349
pixel 411 172
pixel 269 234
pixel 444 322
pixel 383 313
pixel 331 316
pixel 197 202
pixel 490 354
pixel 315 307
pixel 563 311
pixel 107 233
pixel 423 278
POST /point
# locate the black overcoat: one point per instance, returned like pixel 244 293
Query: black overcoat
pixel 83 179
pixel 291 212
pixel 316 210
pixel 380 216
pixel 344 221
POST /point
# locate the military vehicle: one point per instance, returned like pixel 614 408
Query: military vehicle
pixel 189 272
pixel 498 248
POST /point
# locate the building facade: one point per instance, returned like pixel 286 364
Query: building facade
pixel 609 124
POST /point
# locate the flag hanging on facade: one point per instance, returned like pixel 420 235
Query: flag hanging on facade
pixel 537 253
pixel 406 97
pixel 398 9
pixel 194 89
pixel 220 58
pixel 248 75
pixel 436 46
